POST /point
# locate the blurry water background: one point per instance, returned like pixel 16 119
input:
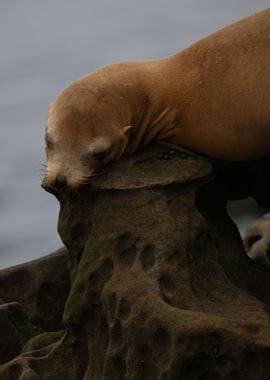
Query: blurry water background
pixel 47 44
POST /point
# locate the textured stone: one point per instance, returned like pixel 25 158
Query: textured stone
pixel 161 286
pixel 32 299
pixel 16 329
pixel 41 286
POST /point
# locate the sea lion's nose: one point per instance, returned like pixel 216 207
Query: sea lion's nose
pixel 60 182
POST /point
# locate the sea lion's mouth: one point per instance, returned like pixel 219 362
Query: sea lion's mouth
pixel 61 184
pixel 57 191
pixel 50 189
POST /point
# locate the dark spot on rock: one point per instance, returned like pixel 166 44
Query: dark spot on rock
pixel 80 229
pixel 215 342
pixel 257 360
pixel 165 376
pixel 112 304
pixel 128 257
pixel 124 349
pixel 79 256
pixel 222 360
pixel 200 366
pixel 183 155
pixel 93 279
pixel 148 257
pixel 46 295
pixel 162 338
pixel 126 249
pixel 146 367
pixel 47 286
pixel 253 328
pixel 125 241
pixel 142 316
pixel 106 269
pixel 143 353
pixel 74 328
pixel 238 374
pixel 166 283
pixel 124 310
pixel 173 257
pixel 80 287
pixel 215 350
pixel 208 376
pixel 15 371
pixel 89 320
pixel 116 333
pixel 162 345
pixel 216 337
pixel 171 154
pixel 180 340
pixel 93 297
pixel 268 254
pixel 119 365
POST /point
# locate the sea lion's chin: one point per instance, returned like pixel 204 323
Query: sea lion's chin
pixel 57 192
pixel 49 189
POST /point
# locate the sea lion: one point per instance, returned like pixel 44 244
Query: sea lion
pixel 212 98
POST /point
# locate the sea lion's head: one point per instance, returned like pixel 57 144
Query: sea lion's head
pixel 82 135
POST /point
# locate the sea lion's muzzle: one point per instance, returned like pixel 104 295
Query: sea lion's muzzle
pixel 59 184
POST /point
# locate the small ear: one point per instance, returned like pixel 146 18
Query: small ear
pixel 128 129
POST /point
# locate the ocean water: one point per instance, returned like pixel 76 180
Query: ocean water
pixel 45 46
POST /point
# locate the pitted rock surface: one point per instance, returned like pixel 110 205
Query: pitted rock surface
pixel 161 287
pixel 41 286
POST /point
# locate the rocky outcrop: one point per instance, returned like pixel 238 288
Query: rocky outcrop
pixel 161 286
pixel 32 299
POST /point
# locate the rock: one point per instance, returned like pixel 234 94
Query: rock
pixel 16 329
pixel 32 299
pixel 42 340
pixel 161 286
pixel 41 286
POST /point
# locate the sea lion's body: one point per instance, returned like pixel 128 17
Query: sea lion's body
pixel 213 98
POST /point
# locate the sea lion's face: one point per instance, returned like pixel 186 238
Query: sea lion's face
pixel 78 145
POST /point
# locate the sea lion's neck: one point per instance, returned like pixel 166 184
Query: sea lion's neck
pixel 141 94
pixel 155 111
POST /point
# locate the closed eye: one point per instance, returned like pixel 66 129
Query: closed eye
pixel 100 156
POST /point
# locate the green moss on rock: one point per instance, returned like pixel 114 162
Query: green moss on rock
pixel 42 340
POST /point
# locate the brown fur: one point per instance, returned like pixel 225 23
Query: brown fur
pixel 212 97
